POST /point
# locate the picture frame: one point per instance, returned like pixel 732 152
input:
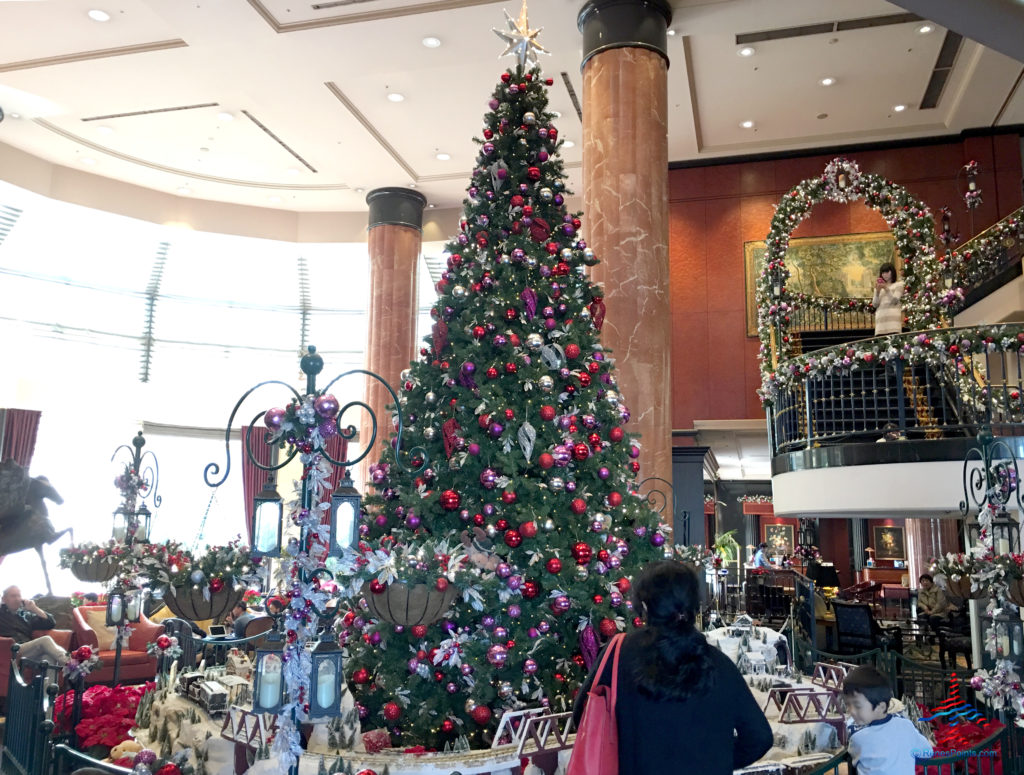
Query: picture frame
pixel 844 266
pixel 890 543
pixel 779 539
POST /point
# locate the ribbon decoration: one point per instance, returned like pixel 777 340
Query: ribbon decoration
pixel 440 329
pixel 527 436
pixel 597 312
pixel 529 297
pixel 449 435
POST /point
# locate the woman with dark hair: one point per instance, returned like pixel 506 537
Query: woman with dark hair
pixel 888 307
pixel 679 700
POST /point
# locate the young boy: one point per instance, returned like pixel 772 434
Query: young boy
pixel 881 744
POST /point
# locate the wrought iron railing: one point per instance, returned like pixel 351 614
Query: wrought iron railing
pixel 906 390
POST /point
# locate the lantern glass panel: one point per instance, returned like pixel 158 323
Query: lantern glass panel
pixel 120 526
pixel 326 683
pixel 345 524
pixel 132 605
pixel 269 688
pixel 115 609
pixel 267 527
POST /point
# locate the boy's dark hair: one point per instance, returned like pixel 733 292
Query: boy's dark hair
pixel 762 545
pixel 870 682
pixel 926 577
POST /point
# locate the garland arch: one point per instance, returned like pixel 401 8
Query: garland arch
pixel 913 229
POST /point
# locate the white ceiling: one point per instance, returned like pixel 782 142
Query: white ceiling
pixel 315 81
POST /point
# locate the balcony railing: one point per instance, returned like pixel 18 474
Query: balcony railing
pixel 924 385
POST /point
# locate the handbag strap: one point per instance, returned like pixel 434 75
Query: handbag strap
pixel 613 647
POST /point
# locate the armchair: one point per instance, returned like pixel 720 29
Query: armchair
pixel 857 631
pixel 136 665
pixel 61 637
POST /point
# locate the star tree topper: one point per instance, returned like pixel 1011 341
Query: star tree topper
pixel 522 41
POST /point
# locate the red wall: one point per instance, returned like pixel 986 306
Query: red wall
pixel 713 210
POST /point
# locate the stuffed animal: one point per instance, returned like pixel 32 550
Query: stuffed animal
pixel 125 750
pixel 480 549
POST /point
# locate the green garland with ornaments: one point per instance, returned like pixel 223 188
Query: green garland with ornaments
pixel 913 231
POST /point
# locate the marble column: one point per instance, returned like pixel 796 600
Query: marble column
pixel 625 199
pixel 394 242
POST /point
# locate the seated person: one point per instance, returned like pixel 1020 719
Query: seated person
pixel 238 618
pixel 932 604
pixel 19 618
pixel 761 557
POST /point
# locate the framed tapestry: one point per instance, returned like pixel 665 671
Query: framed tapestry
pixel 779 539
pixel 890 543
pixel 843 267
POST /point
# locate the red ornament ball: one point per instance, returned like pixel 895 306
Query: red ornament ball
pixel 545 460
pixel 361 675
pixel 554 565
pixel 419 630
pixel 528 529
pixel 450 500
pixel 581 451
pixel 511 368
pixel 392 711
pixel 547 413
pixel 509 414
pixel 447 725
pixel 614 499
pixel 479 332
pixel 634 466
pixel 509 497
pixel 603 556
pixel 578 506
pixel 598 599
pixel 607 628
pixel 492 373
pixel 367 772
pixel 582 552
pixel 441 584
pixel 638 622
pixel 216 585
pixel 530 589
pixel 572 351
pixel 511 314
pixel 623 585
pixel 594 439
pixel 501 524
pixel 376 587
pixel 481 714
pixel 512 538
pixel 483 421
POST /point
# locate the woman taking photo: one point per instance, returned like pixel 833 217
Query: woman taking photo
pixel 888 307
pixel 679 700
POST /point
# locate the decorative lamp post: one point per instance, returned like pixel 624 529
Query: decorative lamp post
pixel 268 515
pixel 991 480
pixel 138 484
pixel 124 607
pixel 268 692
pixel 302 428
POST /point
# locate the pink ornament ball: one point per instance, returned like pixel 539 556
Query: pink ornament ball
pixel 326 406
pixel 381 520
pixel 529 667
pixel 273 418
pixel 977 682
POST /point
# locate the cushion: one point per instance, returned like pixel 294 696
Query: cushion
pixel 127 658
pixel 167 613
pixel 96 618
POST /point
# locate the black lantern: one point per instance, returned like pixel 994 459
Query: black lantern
pixel 325 681
pixel 1005 533
pixel 122 523
pixel 142 518
pixel 268 675
pixel 123 606
pixel 991 481
pixel 776 277
pixel 345 505
pixel 268 510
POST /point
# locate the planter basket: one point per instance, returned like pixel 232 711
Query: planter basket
pixel 190 603
pixel 409 606
pixel 961 588
pixel 94 570
pixel 1015 591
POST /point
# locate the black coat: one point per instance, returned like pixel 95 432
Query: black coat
pixel 14 625
pixel 688 737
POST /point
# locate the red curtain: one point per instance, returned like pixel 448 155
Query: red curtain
pixel 20 429
pixel 252 477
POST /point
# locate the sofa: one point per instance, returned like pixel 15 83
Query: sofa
pixel 90 629
pixel 62 638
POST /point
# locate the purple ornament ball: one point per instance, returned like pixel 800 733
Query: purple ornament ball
pixel 487 621
pixel 381 520
pixel 273 418
pixel 514 611
pixel 326 405
pixel 543 625
pixel 603 473
pixel 412 521
pixel 375 639
pixel 657 539
pixel 504 570
pixel 496 430
pixel 533 632
pixel 474 449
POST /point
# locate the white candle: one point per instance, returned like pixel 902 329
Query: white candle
pixel 1002 546
pixel 119 534
pixel 115 608
pixel 270 681
pixel 325 686
pixel 132 608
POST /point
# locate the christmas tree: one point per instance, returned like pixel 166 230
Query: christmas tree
pixel 512 547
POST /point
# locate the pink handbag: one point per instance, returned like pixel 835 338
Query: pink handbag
pixel 596 751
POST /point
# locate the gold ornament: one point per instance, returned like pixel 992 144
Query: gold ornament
pixel 522 40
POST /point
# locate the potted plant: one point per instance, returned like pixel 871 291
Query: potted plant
pixel 207 586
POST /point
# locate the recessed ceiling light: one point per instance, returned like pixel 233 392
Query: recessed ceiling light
pixel 88 161
pixel 396 97
pixel 225 116
pixel 671 32
pixel 105 130
pixel 184 190
pixel 14 115
pixel 827 81
pixel 412 185
pixel 359 190
pixel 899 108
pixel 747 51
pixel 924 29
pixel 431 206
pixel 748 124
pixel 568 144
pixel 431 42
pixel 444 157
pixel 99 16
